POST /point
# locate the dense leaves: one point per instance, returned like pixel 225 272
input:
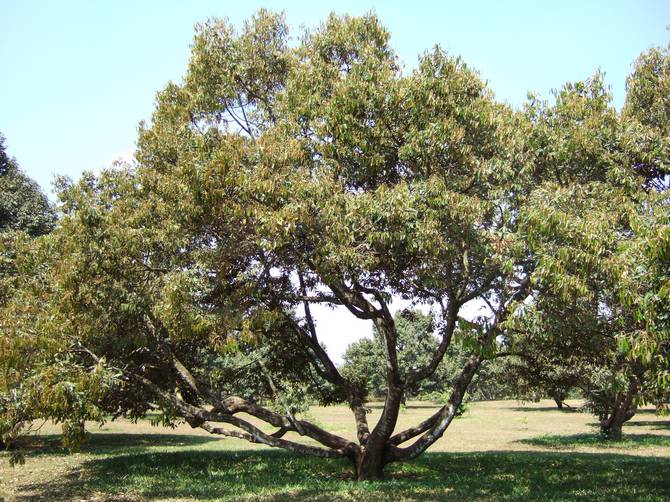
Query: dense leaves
pixel 23 206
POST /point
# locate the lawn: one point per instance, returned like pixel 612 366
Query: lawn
pixel 500 450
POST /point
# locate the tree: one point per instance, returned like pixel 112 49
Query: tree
pixel 25 212
pixel 364 361
pixel 276 177
pixel 23 206
pixel 622 340
pixel 647 109
pixel 615 349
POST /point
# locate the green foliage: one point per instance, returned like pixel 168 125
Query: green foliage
pixel 647 115
pixel 23 206
pixel 592 327
pixel 417 341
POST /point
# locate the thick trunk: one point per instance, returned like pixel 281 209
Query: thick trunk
pixel 369 464
pixel 559 397
pixel 611 428
pixel 612 431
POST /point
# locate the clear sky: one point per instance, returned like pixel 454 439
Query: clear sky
pixel 77 77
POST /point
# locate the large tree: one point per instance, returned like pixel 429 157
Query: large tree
pixel 612 340
pixel 278 176
pixel 619 358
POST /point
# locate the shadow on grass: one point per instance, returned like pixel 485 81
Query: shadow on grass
pixel 544 408
pixel 415 405
pixel 277 475
pixel 646 411
pixel 653 424
pixel 597 440
pixel 104 443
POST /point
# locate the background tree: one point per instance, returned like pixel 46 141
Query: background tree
pixel 647 109
pixel 364 362
pixel 23 206
pixel 602 360
pixel 25 213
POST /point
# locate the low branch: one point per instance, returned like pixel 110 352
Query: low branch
pixel 232 405
pixel 255 435
pixel 412 432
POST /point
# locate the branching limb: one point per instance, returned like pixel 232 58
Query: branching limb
pixel 438 355
pixel 233 405
pixel 440 423
pixel 277 396
pixel 407 434
pixel 197 417
pixel 255 435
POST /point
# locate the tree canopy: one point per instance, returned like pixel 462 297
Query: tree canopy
pixel 23 206
pixel 280 175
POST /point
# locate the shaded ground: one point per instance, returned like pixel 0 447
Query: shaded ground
pixel 498 452
pixel 274 475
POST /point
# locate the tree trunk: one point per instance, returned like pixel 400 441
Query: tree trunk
pixel 612 430
pixel 369 464
pixel 623 410
pixel 559 397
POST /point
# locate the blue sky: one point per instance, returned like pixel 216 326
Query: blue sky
pixel 77 77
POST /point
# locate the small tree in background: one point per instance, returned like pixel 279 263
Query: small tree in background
pixel 364 362
pixel 23 206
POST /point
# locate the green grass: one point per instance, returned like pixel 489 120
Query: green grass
pixel 499 451
pixel 577 440
pixel 275 475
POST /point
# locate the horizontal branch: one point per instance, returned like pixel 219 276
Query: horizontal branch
pixel 232 405
pixel 255 435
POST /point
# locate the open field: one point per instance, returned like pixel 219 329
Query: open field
pixel 500 450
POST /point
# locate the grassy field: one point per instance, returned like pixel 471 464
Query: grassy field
pixel 500 450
